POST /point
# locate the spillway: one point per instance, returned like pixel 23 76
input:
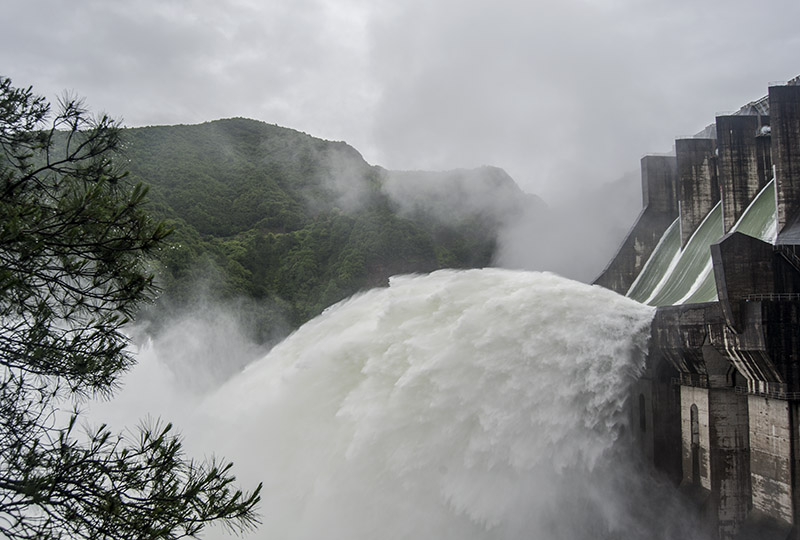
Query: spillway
pixel 674 276
pixel 693 261
pixel 658 265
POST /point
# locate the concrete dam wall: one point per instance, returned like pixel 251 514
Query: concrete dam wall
pixel 717 249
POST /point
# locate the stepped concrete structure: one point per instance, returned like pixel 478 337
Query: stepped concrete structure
pixel 698 186
pixel 744 162
pixel 660 200
pixel 718 409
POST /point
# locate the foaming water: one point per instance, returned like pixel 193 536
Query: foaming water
pixel 480 404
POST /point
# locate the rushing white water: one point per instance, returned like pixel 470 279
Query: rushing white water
pixel 481 404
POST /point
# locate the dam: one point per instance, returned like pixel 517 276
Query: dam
pixel 716 249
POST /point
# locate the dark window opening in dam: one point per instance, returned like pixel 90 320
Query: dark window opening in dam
pixel 695 427
pixel 642 414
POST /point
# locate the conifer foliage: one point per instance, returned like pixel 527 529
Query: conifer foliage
pixel 73 245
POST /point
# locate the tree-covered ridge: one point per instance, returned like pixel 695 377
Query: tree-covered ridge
pixel 300 223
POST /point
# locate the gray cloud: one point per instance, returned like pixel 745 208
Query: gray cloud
pixel 561 94
pixel 569 92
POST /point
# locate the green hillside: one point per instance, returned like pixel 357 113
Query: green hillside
pixel 296 223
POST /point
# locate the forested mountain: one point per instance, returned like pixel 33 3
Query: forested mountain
pixel 298 223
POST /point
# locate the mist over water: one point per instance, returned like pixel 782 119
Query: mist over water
pixel 479 404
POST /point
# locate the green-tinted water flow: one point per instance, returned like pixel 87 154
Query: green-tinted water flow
pixel 692 260
pixel 674 276
pixel 658 264
pixel 759 218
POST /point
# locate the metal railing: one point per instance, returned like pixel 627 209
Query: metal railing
pixel 759 106
pixel 701 381
pixel 776 394
pixel 691 379
pixel 771 296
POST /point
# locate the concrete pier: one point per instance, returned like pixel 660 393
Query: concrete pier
pixel 772 466
pixel 660 208
pixel 656 416
pixel 715 449
pixel 743 163
pixel 784 106
pixel 698 186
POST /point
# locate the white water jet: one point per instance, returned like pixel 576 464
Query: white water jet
pixel 479 404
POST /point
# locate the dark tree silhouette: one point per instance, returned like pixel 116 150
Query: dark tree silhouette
pixel 74 240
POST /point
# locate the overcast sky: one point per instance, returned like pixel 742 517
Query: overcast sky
pixel 560 93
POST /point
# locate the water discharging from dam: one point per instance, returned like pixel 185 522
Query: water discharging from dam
pixel 480 404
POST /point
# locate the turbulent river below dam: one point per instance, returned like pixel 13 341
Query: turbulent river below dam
pixel 476 404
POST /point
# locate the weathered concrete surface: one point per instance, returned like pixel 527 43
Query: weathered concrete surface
pixel 760 526
pixel 743 266
pixel 735 446
pixel 766 351
pixel 714 411
pixel 715 451
pixel 695 437
pixel 757 288
pixel 698 186
pixel 680 332
pixel 784 107
pixel 743 166
pixel 659 190
pixel 770 462
pixel 666 414
pixel 659 184
pixel 781 324
pixel 729 458
pixel 656 416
